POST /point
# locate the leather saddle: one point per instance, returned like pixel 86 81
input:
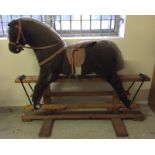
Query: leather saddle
pixel 76 55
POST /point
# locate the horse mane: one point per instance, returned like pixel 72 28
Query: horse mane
pixel 43 25
pixel 37 22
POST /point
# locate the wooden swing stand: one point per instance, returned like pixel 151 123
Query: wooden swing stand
pixel 114 111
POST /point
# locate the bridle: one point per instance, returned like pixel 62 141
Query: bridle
pixel 20 36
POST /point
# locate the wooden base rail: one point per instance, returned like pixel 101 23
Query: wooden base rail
pixel 69 106
pixel 82 115
pixel 117 119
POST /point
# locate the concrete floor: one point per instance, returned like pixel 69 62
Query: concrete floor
pixel 11 127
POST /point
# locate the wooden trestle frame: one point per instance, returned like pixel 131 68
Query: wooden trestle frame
pixel 114 111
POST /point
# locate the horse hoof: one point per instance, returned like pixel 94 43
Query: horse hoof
pixel 127 104
pixel 37 107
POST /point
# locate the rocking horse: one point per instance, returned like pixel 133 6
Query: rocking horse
pixel 54 57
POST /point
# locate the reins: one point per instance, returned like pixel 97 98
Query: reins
pixel 21 35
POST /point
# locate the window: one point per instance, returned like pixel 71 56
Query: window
pixel 5 19
pixel 73 25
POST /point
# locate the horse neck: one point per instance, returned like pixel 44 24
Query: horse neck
pixel 46 53
pixel 38 36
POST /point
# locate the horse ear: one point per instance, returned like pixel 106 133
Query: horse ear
pixel 9 24
pixel 12 23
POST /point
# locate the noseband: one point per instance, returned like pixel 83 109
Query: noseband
pixel 20 35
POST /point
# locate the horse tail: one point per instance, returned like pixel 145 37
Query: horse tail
pixel 119 57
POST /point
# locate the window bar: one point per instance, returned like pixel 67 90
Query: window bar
pixel 117 21
pixel 81 23
pixel 100 23
pixel 60 24
pixel 110 22
pixel 3 33
pixel 53 18
pixel 90 22
pixel 1 25
pixel 41 18
pixel 70 23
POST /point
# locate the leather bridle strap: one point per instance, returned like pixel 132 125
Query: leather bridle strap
pixel 20 34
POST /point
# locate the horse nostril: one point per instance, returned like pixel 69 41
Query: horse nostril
pixel 17 50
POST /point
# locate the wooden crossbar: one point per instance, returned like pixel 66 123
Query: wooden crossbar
pixel 80 93
pixel 46 128
pixel 119 127
pixel 83 93
pixel 90 78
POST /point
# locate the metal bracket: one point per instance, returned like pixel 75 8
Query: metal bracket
pixel 21 78
pixel 143 77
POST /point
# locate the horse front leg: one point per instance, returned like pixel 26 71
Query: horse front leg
pixel 116 83
pixel 43 82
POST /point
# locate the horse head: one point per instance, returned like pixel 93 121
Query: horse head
pixel 37 35
pixel 16 36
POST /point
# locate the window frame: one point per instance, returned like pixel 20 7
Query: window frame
pixel 92 33
pixel 49 19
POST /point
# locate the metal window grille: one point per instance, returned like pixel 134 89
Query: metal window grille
pixel 72 25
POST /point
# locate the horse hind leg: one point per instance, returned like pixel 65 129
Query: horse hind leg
pixel 116 83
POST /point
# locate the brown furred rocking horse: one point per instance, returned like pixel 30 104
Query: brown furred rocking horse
pixel 102 57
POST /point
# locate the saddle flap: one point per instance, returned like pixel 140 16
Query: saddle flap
pixel 76 57
pixel 76 54
pixel 79 57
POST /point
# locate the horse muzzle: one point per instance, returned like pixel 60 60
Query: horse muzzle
pixel 15 48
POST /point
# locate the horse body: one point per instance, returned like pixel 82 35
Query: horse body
pixel 102 58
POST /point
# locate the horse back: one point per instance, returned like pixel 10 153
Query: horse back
pixel 104 56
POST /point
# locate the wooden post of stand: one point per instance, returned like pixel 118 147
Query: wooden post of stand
pixel 119 127
pixel 46 128
pixel 47 125
pixel 47 96
pixel 115 100
pixel 117 123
